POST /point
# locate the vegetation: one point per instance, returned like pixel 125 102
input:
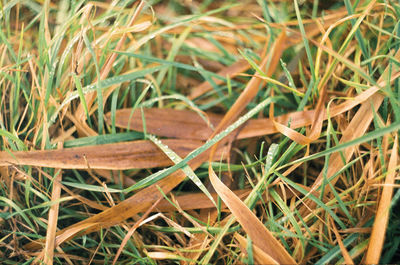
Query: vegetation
pixel 199 132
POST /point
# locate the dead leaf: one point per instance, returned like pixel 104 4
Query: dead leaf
pixel 124 155
pixel 382 215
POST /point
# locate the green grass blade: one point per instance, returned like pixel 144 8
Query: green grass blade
pixel 100 112
pixel 19 211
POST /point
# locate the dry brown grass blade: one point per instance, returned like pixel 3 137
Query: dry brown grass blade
pixel 288 132
pixel 258 233
pixel 207 46
pixel 163 255
pixel 53 218
pixel 318 117
pixel 125 155
pixel 259 256
pixel 185 202
pixel 382 215
pixel 70 233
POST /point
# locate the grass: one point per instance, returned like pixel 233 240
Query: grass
pixel 158 132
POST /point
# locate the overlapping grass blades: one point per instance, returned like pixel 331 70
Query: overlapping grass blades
pixel 85 85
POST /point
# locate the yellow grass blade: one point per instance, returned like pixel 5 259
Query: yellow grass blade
pixel 53 218
pixel 382 215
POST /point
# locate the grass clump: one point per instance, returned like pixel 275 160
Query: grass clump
pixel 145 132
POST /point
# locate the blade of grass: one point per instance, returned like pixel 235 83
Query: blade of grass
pixel 81 96
pixel 19 211
pixel 124 155
pixel 100 112
pixel 334 252
pixel 53 218
pixel 381 218
pixel 305 41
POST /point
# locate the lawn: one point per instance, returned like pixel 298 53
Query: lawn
pixel 199 132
